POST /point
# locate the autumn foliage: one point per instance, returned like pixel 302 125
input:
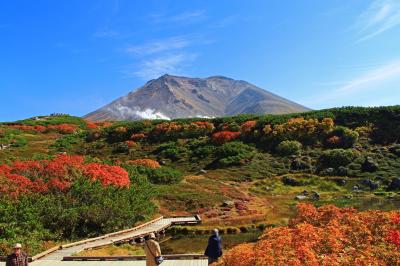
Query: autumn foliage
pixel 146 162
pixel 325 236
pixel 61 128
pixel 225 136
pixel 59 174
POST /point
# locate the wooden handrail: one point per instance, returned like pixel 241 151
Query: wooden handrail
pixel 44 253
pixel 127 258
pixel 111 234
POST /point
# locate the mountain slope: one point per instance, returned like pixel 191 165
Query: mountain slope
pixel 170 97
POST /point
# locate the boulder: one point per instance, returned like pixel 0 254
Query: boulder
pixel 394 184
pixel 300 197
pixel 315 195
pixel 369 165
pixel 342 171
pixel 369 183
pixel 228 203
pixel 290 181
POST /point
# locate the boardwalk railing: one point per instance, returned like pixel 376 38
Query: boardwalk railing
pixel 111 234
pixel 169 221
pixel 133 258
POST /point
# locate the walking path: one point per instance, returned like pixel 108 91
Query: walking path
pixel 55 256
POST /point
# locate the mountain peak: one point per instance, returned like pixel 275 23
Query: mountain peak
pixel 170 97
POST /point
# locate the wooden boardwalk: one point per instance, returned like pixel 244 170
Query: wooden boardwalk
pixel 55 256
pixel 200 262
pixel 154 226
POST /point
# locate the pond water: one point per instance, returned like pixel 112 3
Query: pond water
pixel 198 243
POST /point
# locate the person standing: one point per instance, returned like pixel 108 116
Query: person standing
pixel 214 247
pixel 153 251
pixel 17 258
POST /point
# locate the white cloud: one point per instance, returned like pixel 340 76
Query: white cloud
pixel 164 64
pixel 186 17
pixel 105 33
pixel 380 16
pixel 127 112
pixel 159 46
pixel 370 81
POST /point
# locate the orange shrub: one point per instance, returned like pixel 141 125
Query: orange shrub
pixel 138 136
pixel 247 126
pixel 131 143
pixel 146 162
pixel 325 236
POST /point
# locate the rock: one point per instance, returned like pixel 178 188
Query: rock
pixel 290 181
pixel 300 197
pixel 342 171
pixel 315 195
pixel 305 192
pixel 369 165
pixel 202 171
pixel 162 162
pixel 340 182
pixel 228 203
pixel 394 184
pixel 369 183
pixel 329 171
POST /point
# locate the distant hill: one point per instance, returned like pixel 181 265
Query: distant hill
pixel 170 97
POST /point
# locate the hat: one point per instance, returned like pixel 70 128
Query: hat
pixel 17 245
pixel 152 236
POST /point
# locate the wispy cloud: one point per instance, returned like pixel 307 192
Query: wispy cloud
pixel 172 43
pixel 105 33
pixel 369 81
pixel 380 16
pixel 172 64
pixel 188 16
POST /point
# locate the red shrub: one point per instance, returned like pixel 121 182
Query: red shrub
pixel 59 174
pixel 91 125
pixel 59 184
pixel 107 175
pixel 225 136
pixel 63 128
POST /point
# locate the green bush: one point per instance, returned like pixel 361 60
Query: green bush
pixel 234 153
pixel 162 175
pixel 289 147
pixel 346 138
pixel 67 141
pixel 171 150
pixel 335 158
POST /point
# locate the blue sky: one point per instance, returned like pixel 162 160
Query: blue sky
pixel 74 56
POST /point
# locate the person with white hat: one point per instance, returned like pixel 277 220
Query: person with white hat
pixel 153 251
pixel 17 258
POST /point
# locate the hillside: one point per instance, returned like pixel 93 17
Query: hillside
pixel 233 171
pixel 170 97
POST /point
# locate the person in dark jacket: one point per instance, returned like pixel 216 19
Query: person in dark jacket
pixel 17 258
pixel 214 247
